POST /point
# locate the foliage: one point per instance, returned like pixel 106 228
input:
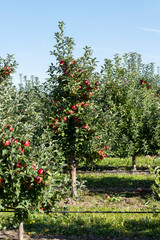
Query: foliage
pixel 131 109
pixel 72 88
pixel 28 174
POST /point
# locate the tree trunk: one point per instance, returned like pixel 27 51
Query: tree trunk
pixel 20 231
pixel 72 168
pixel 134 162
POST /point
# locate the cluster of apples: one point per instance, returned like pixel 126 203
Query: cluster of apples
pixel 81 83
pixel 12 140
pixel 5 71
pixel 145 83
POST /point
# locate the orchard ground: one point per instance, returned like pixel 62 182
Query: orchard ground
pixel 103 192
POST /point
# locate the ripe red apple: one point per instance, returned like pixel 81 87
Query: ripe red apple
pixel 38 179
pixel 1 180
pixel 74 107
pixel 107 196
pixel 86 127
pixel 21 149
pixel 106 147
pixel 65 118
pixel 139 189
pixel 6 72
pixel 84 104
pixel 11 129
pixel 18 165
pixel 8 126
pixel 86 82
pixel 41 171
pixel 72 75
pixel 26 144
pixel 6 143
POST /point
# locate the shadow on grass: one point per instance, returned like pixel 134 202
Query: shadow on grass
pixel 117 182
pixel 109 168
pixel 92 227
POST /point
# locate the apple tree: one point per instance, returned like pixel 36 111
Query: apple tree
pixel 71 88
pixel 27 179
pixel 130 106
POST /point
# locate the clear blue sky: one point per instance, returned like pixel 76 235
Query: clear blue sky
pixel 108 26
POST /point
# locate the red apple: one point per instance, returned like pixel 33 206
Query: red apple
pixel 86 127
pixel 21 149
pixel 106 147
pixel 6 72
pixel 6 143
pixel 8 126
pixel 72 75
pixel 86 82
pixel 38 179
pixel 11 129
pixel 1 180
pixel 18 165
pixel 26 144
pixel 74 107
pixel 65 118
pixel 41 171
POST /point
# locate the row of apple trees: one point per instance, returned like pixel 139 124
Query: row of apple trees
pixel 77 115
pixel 94 115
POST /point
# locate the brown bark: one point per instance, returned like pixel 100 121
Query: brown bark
pixel 20 231
pixel 72 169
pixel 134 162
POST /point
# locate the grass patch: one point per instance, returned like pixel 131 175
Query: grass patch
pixel 110 225
pixel 115 182
pixel 108 163
pixel 122 189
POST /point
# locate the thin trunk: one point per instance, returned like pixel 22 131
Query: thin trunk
pixel 72 168
pixel 20 231
pixel 134 162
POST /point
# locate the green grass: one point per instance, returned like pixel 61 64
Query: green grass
pixel 117 181
pixel 108 225
pixel 108 163
pixel 122 189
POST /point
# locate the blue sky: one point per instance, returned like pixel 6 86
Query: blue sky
pixel 108 27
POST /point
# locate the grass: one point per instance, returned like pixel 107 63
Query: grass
pixel 109 163
pixel 108 225
pixel 122 189
pixel 116 182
